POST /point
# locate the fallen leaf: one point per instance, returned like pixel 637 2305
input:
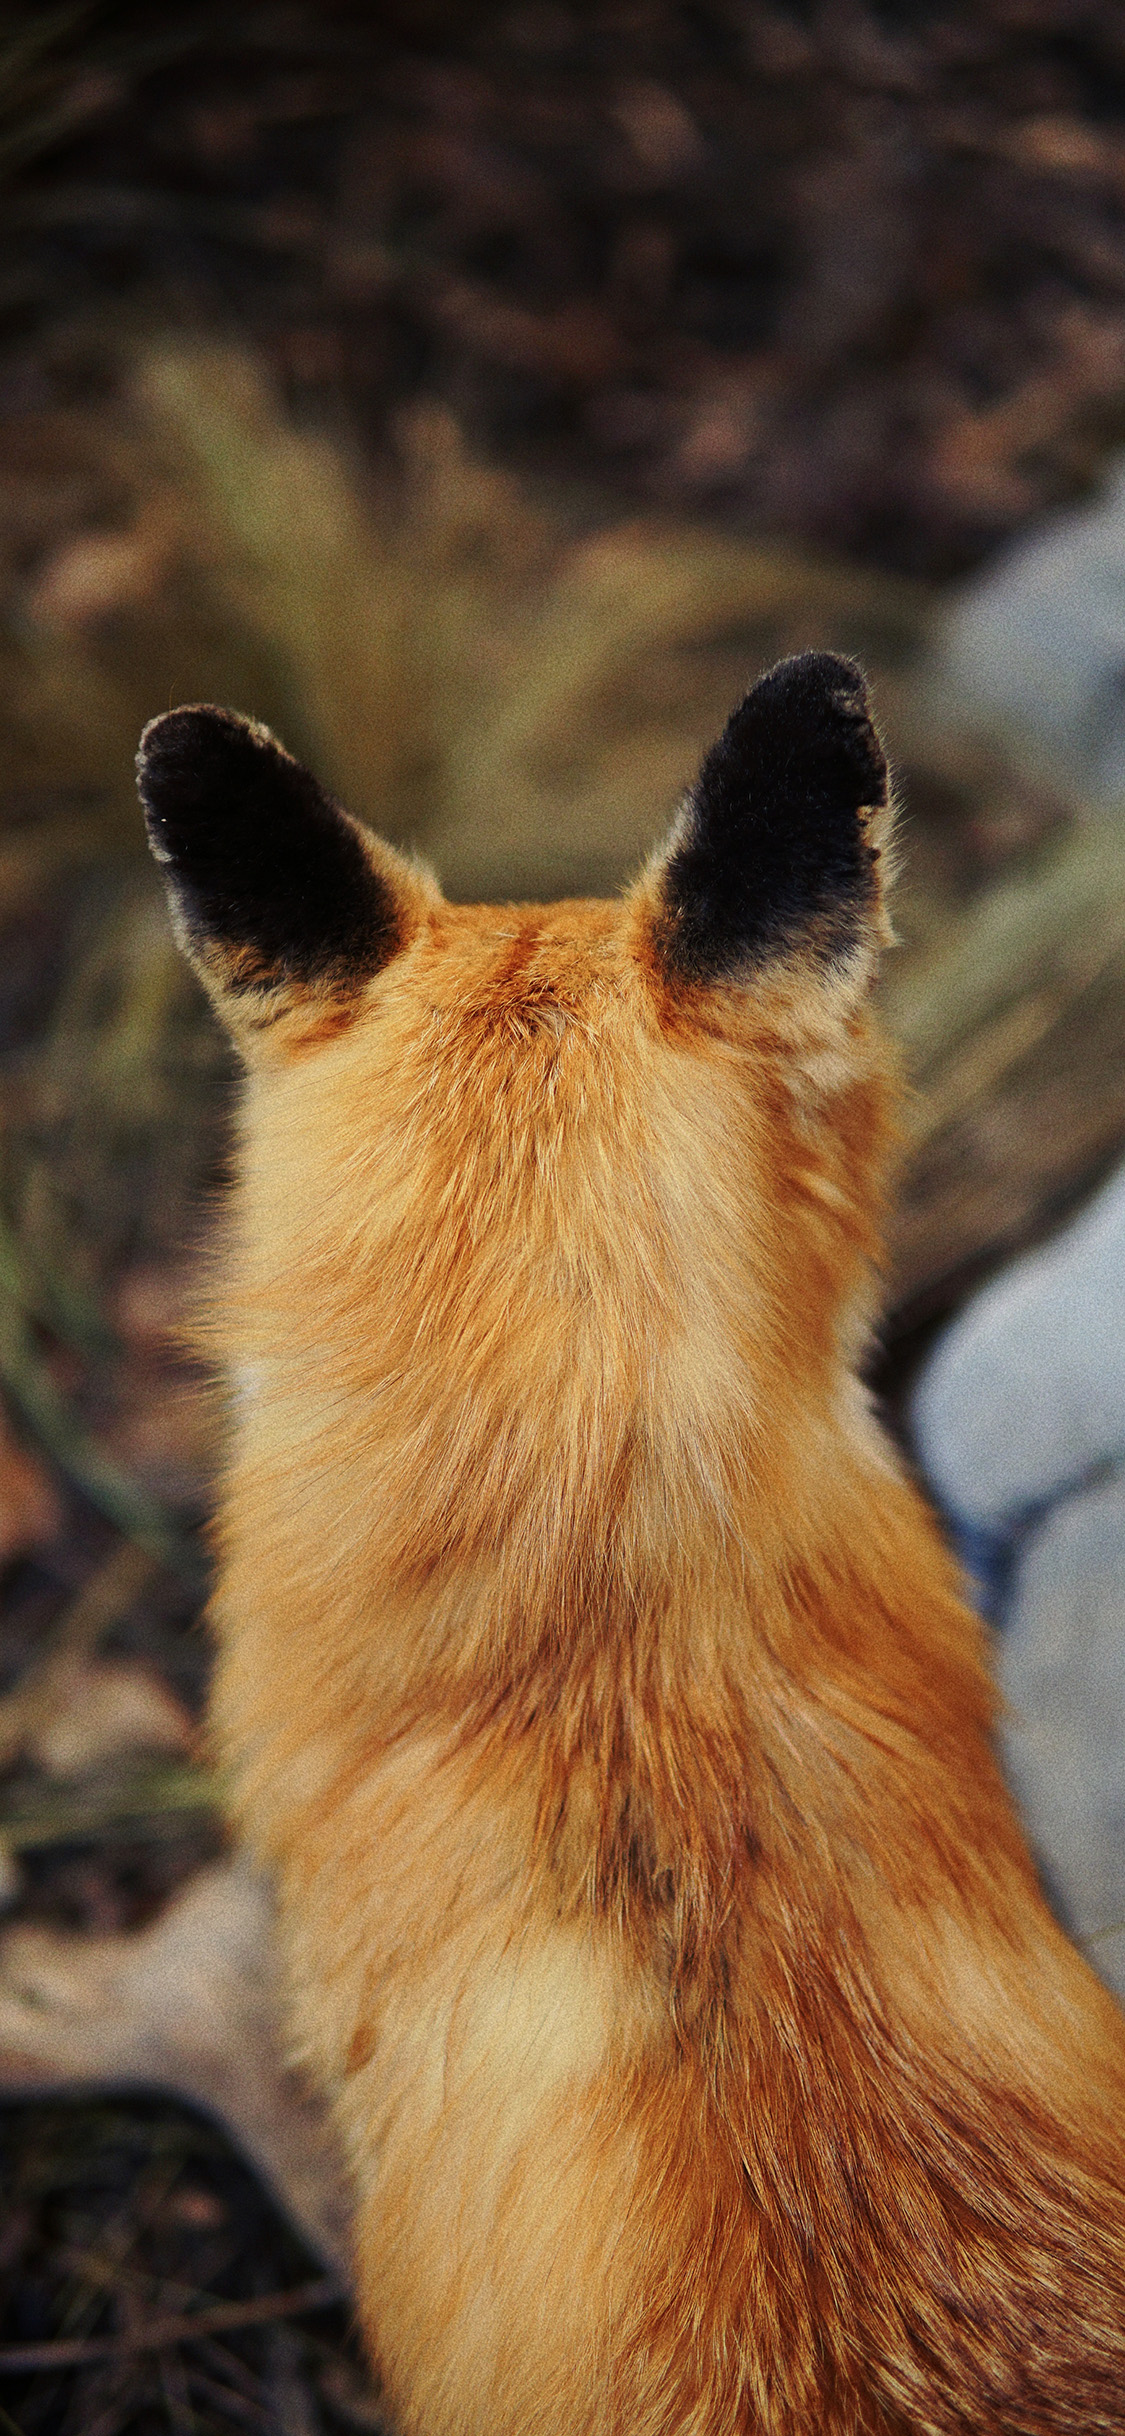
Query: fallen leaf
pixel 44 1691
pixel 189 2005
pixel 29 1508
pixel 105 1708
pixel 661 131
pixel 92 576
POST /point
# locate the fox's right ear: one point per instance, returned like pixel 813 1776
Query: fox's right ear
pixel 285 905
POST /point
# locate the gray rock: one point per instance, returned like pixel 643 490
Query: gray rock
pixel 1061 1661
pixel 1036 645
pixel 1019 1423
pixel 1024 1398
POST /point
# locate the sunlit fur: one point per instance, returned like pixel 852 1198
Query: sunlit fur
pixel 598 1688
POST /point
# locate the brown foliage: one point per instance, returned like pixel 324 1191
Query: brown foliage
pixel 850 273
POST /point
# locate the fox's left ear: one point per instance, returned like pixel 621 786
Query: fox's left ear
pixel 775 854
pixel 285 905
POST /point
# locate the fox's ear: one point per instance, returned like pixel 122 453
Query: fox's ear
pixel 285 905
pixel 776 850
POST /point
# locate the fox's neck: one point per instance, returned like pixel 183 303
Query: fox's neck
pixel 662 1710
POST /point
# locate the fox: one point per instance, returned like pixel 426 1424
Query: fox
pixel 592 1678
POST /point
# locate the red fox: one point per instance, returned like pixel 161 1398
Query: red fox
pixel 590 1675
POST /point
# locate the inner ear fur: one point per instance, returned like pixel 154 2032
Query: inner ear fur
pixel 777 848
pixel 285 904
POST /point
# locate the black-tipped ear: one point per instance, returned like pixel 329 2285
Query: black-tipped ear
pixel 277 893
pixel 774 845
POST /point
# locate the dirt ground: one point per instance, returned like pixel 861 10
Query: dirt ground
pixel 851 273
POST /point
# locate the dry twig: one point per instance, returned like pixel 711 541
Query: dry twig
pixel 184 2326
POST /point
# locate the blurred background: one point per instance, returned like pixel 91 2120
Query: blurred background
pixel 483 396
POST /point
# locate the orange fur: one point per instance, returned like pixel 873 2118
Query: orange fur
pixel 601 1695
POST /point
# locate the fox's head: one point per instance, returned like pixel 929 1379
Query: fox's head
pixel 554 1226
